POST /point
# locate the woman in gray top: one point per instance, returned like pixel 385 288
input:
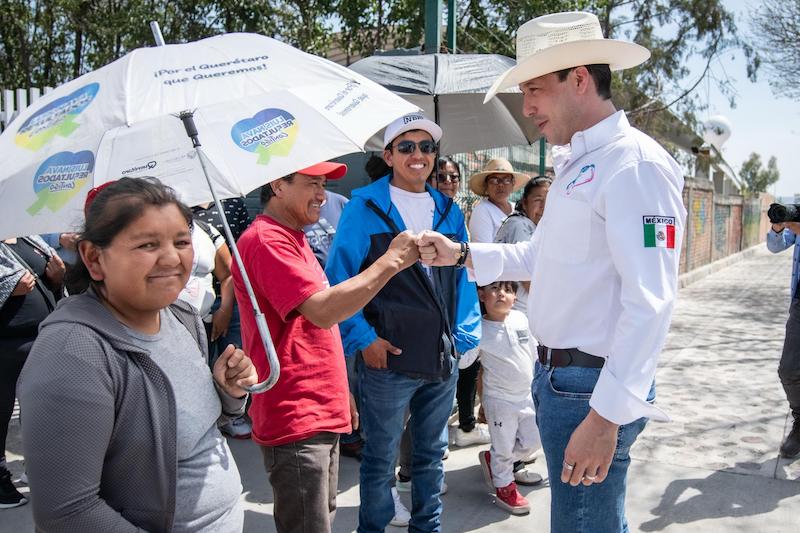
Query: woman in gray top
pixel 120 407
pixel 521 224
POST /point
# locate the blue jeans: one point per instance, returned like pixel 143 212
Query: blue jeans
pixel 561 396
pixel 234 335
pixel 385 396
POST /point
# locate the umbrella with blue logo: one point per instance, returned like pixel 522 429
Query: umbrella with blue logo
pixel 234 111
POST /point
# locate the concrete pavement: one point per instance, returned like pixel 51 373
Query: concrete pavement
pixel 714 468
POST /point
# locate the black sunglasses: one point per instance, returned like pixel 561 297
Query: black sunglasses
pixel 448 178
pixel 408 147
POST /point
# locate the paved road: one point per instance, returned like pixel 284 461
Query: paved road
pixel 714 468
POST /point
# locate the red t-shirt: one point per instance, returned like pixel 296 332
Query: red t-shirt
pixel 311 394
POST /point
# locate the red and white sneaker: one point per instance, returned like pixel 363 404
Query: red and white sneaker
pixel 511 500
pixel 486 466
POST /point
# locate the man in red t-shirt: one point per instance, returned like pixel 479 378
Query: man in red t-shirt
pixel 298 421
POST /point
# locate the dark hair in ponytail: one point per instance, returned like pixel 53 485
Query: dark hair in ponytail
pixel 116 207
pixel 533 183
pixel 376 167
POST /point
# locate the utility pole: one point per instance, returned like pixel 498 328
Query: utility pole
pixel 433 26
pixel 451 26
pixel 542 152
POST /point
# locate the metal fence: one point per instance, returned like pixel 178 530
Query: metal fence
pixel 12 101
pixel 523 158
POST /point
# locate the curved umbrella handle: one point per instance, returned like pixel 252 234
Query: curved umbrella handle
pixel 272 356
pixel 261 322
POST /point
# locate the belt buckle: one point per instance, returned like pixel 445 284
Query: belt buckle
pixel 549 357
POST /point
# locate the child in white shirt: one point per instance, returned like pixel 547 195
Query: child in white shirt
pixel 507 356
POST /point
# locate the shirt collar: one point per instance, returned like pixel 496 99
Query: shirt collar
pixel 589 140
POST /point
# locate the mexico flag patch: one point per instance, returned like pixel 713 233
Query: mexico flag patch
pixel 659 232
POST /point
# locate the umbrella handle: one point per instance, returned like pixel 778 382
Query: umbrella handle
pixel 261 322
pixel 272 357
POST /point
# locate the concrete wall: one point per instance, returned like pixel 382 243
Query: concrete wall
pixel 718 226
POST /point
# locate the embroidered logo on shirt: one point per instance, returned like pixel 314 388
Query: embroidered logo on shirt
pixel 522 336
pixel 659 231
pixel 585 176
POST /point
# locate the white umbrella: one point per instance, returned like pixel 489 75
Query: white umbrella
pixel 263 109
pixel 450 89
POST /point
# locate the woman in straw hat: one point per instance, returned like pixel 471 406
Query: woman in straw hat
pixel 495 183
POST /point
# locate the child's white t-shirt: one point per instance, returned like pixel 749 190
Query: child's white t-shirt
pixel 507 353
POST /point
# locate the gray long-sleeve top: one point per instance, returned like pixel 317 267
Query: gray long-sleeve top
pixel 100 423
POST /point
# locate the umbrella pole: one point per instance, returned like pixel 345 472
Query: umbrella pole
pixel 261 322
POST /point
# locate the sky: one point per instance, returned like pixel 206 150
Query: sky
pixel 761 121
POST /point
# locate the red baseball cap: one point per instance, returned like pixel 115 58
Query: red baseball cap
pixel 332 171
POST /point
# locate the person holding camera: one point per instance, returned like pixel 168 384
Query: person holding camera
pixel 780 237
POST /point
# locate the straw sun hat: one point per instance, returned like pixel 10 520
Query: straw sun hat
pixel 477 182
pixel 564 40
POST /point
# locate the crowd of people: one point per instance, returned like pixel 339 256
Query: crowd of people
pixel 389 313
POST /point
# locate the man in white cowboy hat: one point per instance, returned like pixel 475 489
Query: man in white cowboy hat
pixel 603 265
pixel 495 183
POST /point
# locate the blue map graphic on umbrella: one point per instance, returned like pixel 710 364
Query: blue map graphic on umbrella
pixel 56 118
pixel 60 178
pixel 269 132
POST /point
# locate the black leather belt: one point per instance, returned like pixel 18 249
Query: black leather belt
pixel 556 357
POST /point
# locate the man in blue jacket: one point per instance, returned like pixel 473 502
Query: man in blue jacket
pixel 779 238
pixel 409 334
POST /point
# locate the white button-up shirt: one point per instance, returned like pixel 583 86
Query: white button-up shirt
pixel 604 260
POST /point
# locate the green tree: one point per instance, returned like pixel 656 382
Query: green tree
pixel 775 28
pixel 673 30
pixel 33 49
pixel 368 26
pixel 755 177
pixel 48 42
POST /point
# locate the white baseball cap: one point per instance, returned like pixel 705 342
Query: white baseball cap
pixel 412 121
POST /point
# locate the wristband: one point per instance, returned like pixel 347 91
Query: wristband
pixel 462 256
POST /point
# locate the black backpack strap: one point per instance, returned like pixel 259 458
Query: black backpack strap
pixel 444 214
pixel 422 277
pixel 385 217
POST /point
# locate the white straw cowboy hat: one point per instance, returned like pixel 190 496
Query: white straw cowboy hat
pixel 500 165
pixel 564 40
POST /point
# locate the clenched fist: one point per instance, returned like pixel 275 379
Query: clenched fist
pixel 437 250
pixel 234 370
pixel 403 249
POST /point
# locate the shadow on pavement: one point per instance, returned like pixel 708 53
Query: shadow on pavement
pixel 690 500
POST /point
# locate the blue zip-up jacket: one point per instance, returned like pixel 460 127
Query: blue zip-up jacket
pixel 778 242
pixel 404 312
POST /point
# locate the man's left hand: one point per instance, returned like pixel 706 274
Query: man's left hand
pixel 590 451
pixel 354 413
